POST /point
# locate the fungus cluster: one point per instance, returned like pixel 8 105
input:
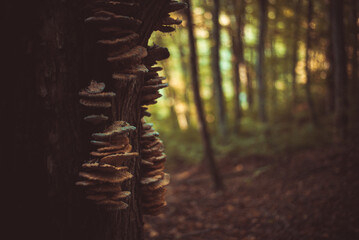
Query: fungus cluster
pixel 153 179
pixel 104 173
pixel 116 32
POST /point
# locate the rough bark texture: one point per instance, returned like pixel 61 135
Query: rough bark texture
pixel 260 64
pixel 208 151
pixel 340 73
pixel 52 59
pixel 217 79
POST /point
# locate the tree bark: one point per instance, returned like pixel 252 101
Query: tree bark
pixel 217 79
pixel 208 151
pixel 51 55
pixel 355 72
pixel 296 32
pixel 260 63
pixel 340 73
pixel 236 85
pixel 310 101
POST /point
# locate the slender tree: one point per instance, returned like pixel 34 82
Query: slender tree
pixel 330 73
pixel 308 83
pixel 260 62
pixel 236 85
pixel 208 151
pixel 296 33
pixel 340 73
pixel 217 79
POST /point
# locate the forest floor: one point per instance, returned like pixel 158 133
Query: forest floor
pixel 311 194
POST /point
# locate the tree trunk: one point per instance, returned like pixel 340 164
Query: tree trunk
pixel 355 72
pixel 260 64
pixel 330 58
pixel 184 68
pixel 54 58
pixel 307 70
pixel 296 32
pixel 217 79
pixel 340 73
pixel 236 86
pixel 208 151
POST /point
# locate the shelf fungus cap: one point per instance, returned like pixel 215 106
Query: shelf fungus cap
pixel 120 176
pixel 170 21
pixel 124 76
pixel 84 93
pixel 100 143
pixel 134 54
pixel 155 80
pixel 119 41
pixel 154 88
pixel 96 119
pixel 146 163
pixel 157 159
pixel 148 180
pixel 113 148
pixel 95 87
pixel 150 134
pixel 147 126
pixel 95 104
pixel 159 184
pixel 103 167
pixel 150 144
pixel 121 195
pixel 128 148
pixel 117 128
pixel 141 68
pixel 118 159
pixel 175 6
pixel 113 204
pixel 86 183
pixel 153 172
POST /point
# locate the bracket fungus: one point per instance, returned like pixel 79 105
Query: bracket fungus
pixel 102 176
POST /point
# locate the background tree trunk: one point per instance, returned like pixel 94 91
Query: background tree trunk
pixel 260 64
pixel 296 32
pixel 340 73
pixel 236 85
pixel 208 151
pixel 217 79
pixel 307 68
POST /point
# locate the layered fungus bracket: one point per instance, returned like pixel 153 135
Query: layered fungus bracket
pixel 102 176
pixel 117 33
pixel 154 180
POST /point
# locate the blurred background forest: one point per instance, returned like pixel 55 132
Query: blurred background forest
pixel 278 83
pixel 276 78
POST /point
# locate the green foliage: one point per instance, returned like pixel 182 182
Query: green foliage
pixel 289 128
